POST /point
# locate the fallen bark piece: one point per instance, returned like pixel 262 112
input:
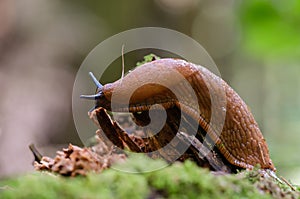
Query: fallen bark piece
pixel 159 145
pixel 75 160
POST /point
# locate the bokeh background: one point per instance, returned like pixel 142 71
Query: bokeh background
pixel 255 44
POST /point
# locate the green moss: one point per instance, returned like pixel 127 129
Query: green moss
pixel 109 184
pixel 189 181
pixel 148 58
pixel 176 181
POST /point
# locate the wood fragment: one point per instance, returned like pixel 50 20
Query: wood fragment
pixel 108 127
pixel 75 160
pixel 288 183
pixel 203 152
pixel 156 145
pixel 37 155
pixel 114 132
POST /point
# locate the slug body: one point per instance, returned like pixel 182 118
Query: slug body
pixel 240 140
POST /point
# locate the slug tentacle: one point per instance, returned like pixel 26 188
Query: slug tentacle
pixel 92 97
pixel 97 83
pixel 99 89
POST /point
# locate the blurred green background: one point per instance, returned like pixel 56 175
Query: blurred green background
pixel 255 44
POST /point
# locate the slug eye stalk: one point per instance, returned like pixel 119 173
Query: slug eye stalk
pixel 99 88
pixel 97 83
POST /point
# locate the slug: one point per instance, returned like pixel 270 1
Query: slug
pixel 240 141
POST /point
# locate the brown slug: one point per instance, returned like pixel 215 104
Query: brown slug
pixel 240 140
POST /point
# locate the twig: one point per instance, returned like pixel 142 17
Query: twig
pixel 37 155
pixel 287 182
